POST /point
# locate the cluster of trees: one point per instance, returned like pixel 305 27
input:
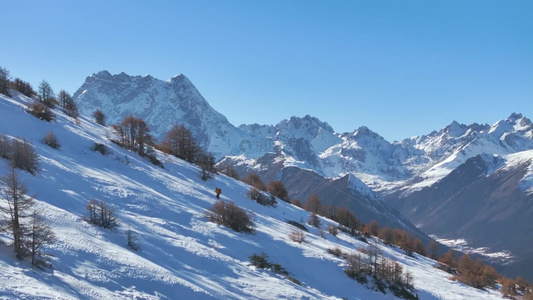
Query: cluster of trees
pixel 401 238
pixel 20 152
pixel 261 198
pixel 476 274
pixel 133 134
pixel 101 214
pixel 261 261
pixel 386 273
pixel 180 142
pixel 232 216
pixel 23 222
pixel 67 103
pixel 45 97
pixel 342 215
pixel 512 289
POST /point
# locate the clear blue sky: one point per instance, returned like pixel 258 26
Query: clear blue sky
pixel 401 68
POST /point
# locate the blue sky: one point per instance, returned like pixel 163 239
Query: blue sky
pixel 401 68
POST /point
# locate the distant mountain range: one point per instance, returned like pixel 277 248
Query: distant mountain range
pixel 354 169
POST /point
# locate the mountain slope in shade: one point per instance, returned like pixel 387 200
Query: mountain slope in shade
pixel 487 201
pixel 161 104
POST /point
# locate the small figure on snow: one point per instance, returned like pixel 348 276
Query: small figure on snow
pixel 218 192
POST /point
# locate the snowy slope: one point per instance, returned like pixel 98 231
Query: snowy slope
pixel 182 255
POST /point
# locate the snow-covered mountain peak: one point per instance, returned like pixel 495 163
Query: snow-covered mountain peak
pixel 456 129
pixel 364 131
pixel 161 104
pixel 179 78
pixel 302 127
pixel 514 123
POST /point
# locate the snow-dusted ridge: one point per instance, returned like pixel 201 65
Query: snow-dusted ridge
pixel 305 142
pixel 182 255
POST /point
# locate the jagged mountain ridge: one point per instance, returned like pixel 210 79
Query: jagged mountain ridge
pixel 161 104
pixel 306 142
pixel 409 164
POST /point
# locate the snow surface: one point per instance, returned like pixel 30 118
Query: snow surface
pixel 462 246
pixel 182 255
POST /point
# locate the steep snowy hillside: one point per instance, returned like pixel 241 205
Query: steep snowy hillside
pixel 161 104
pixel 182 255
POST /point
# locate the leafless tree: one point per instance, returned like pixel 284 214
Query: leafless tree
pixel 23 87
pixel 16 211
pixel 276 188
pixel 101 214
pixel 132 239
pixel 46 94
pixel 99 117
pixel 39 235
pixel 313 204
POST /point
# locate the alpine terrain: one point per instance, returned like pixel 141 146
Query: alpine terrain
pixel 453 183
pixel 164 245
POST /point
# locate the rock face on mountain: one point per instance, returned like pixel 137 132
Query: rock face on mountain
pixel 161 104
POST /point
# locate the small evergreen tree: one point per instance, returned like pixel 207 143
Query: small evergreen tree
pixel 132 240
